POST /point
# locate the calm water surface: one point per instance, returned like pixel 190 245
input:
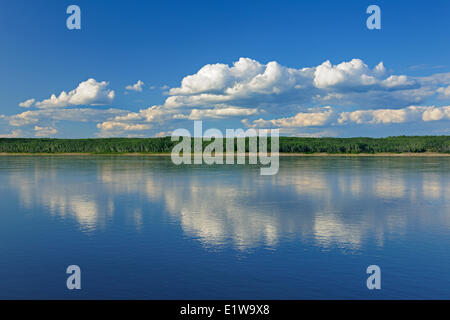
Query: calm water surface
pixel 140 227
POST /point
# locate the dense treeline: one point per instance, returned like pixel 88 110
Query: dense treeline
pixel 367 145
pixel 287 144
pixel 110 145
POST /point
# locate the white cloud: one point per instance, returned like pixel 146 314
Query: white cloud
pixel 301 119
pixel 435 114
pixel 89 92
pixel 163 134
pixel 154 114
pixel 289 98
pixel 218 77
pixel 355 75
pixel 398 82
pixel 249 83
pixel 444 92
pixel 248 87
pixel 44 131
pixel 129 117
pixel 197 114
pixel 383 116
pixel 24 118
pixel 26 104
pixel 74 114
pixel 13 134
pixel 135 87
pixel 137 121
pixel 114 125
pixel 161 115
pixel 388 116
pixel 354 72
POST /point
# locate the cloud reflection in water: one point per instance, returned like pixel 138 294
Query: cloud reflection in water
pixel 328 202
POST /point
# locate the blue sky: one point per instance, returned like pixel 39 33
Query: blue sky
pixel 310 68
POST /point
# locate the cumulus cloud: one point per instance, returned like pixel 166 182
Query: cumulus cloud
pixel 384 116
pixel 89 92
pixel 135 87
pixel 198 114
pixel 264 94
pixel 356 75
pixel 444 92
pixel 250 83
pixel 135 121
pixel 13 134
pixel 436 114
pixel 247 82
pixel 301 119
pixel 44 131
pixel 163 134
pixel 160 115
pixel 28 103
pixel 378 116
pixel 24 118
pixel 398 82
pixel 114 125
pixel 389 116
pixel 74 114
pixel 219 77
pixel 352 73
pixel 247 88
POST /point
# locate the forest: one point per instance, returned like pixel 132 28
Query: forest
pixel 400 144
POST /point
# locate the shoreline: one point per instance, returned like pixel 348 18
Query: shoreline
pixel 387 154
